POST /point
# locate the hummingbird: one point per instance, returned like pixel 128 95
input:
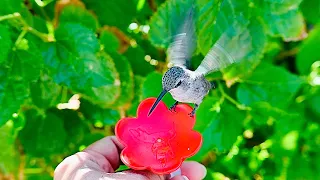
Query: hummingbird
pixel 189 86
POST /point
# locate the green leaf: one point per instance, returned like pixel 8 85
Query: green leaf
pixel 282 18
pixel 152 87
pixel 6 43
pixel 109 41
pixel 122 168
pixel 285 139
pixel 312 106
pixel 140 4
pixel 27 15
pixel 205 24
pixel 277 6
pixel 311 10
pixel 77 14
pixel 311 137
pixel 272 50
pixel 146 46
pixel 290 25
pixel 77 39
pixel 254 47
pixel 40 176
pixel 302 168
pixel 144 10
pixel 26 63
pixel 74 61
pixel 138 84
pixel 119 15
pixel 43 136
pixel 126 79
pixel 214 175
pixel 91 138
pixel 165 23
pixel 40 24
pixel 307 56
pixel 215 18
pixel 13 92
pixel 210 104
pixel 10 6
pixel 277 87
pixel 136 57
pixel 99 116
pixel 45 93
pixel 220 123
pixel 106 94
pixel 45 9
pixel 10 158
pixel 265 114
pixel 75 127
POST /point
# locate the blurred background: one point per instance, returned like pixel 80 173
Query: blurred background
pixel 70 69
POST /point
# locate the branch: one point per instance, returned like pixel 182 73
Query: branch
pixel 27 27
pixel 233 101
pixel 152 5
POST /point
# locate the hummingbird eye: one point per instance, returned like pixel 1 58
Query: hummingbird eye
pixel 179 83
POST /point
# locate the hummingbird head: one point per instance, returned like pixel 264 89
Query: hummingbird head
pixel 171 79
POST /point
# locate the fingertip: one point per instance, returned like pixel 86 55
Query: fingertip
pixel 110 148
pixel 180 178
pixel 193 170
pixel 144 174
pixel 185 177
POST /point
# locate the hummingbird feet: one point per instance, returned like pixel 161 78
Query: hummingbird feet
pixel 173 107
pixel 191 114
pixel 213 85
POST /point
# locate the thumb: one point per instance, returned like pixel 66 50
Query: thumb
pixel 144 174
pixel 129 174
pixel 179 178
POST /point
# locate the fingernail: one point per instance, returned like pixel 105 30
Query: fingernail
pixel 175 173
pixel 185 178
pixel 204 171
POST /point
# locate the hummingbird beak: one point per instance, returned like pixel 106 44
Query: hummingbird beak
pixel 163 92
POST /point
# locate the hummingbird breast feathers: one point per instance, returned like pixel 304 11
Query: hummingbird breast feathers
pixel 191 90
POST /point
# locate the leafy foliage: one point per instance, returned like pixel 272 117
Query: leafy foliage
pixel 69 70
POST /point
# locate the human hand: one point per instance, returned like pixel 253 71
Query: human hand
pixel 102 158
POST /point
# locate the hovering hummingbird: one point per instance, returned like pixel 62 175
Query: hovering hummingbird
pixel 189 86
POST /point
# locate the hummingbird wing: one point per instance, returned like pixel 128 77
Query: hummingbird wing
pixel 181 49
pixel 230 48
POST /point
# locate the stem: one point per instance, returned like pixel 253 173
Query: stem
pixel 20 37
pixel 303 79
pixel 43 36
pixel 44 14
pixel 64 94
pixel 288 53
pixel 9 16
pixel 33 171
pixel 27 27
pixel 43 3
pixel 122 112
pixel 22 168
pixel 50 28
pixel 152 5
pixel 233 101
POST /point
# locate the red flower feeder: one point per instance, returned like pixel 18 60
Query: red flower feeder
pixel 160 142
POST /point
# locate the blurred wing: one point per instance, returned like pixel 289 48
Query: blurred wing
pixel 231 47
pixel 181 49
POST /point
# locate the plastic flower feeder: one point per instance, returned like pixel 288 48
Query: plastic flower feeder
pixel 160 142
